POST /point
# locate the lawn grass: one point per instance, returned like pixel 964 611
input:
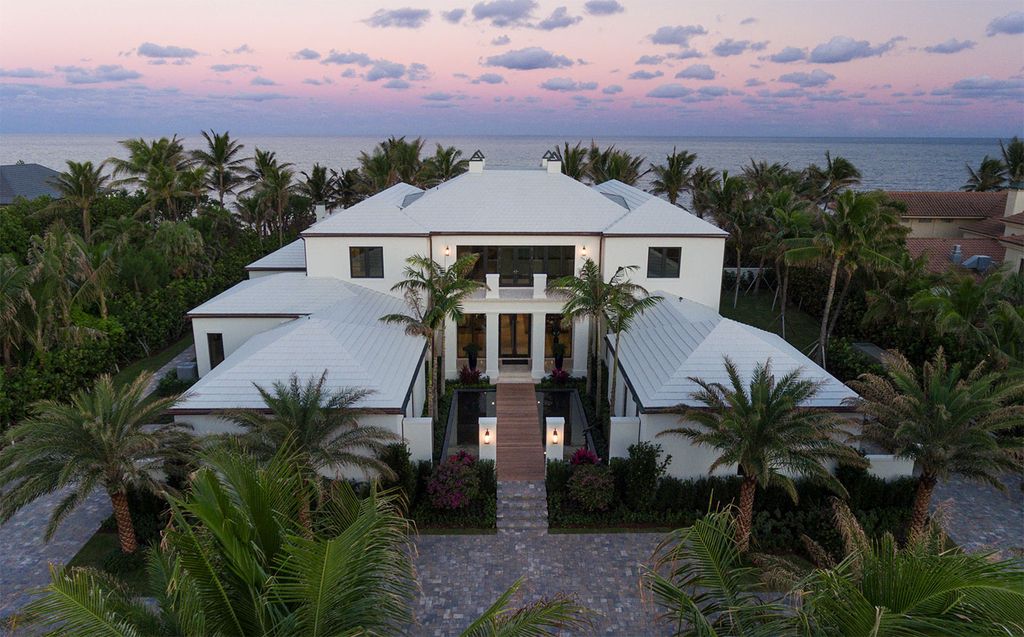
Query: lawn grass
pixel 101 545
pixel 756 309
pixel 152 363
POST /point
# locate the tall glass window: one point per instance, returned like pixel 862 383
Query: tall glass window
pixel 516 265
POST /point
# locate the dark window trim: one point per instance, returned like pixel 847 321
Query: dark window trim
pixel 363 254
pixel 657 261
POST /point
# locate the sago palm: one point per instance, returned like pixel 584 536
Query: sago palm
pixel 321 427
pixel 673 177
pixel 103 438
pixel 765 428
pixel 80 186
pixel 949 421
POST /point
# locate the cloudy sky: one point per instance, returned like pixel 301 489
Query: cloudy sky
pixel 581 67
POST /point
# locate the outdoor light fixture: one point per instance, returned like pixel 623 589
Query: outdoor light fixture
pixel 554 436
pixel 583 251
pixel 447 251
pixel 487 436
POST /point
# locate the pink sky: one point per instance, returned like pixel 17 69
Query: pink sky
pixel 856 67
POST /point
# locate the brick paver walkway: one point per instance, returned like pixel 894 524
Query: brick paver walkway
pixel 982 518
pixel 24 555
pixel 520 452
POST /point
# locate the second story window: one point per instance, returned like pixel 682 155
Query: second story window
pixel 663 263
pixel 367 263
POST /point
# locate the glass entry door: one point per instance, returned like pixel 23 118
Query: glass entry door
pixel 514 336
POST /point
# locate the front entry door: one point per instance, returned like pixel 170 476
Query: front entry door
pixel 514 333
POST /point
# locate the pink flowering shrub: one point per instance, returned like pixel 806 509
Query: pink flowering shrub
pixel 559 376
pixel 592 487
pixel 454 483
pixel 584 456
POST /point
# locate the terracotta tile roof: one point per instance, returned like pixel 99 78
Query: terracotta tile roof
pixel 985 227
pixel 967 205
pixel 1015 239
pixel 938 250
pixel 1017 219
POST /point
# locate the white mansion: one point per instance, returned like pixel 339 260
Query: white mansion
pixel 315 304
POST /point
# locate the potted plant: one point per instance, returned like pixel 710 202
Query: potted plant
pixel 471 353
pixel 558 351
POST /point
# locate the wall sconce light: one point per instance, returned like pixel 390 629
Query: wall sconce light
pixel 583 250
pixel 447 251
pixel 487 436
pixel 554 436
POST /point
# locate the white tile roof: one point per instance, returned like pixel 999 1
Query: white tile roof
pixel 290 257
pixel 379 214
pixel 679 339
pixel 346 338
pixel 287 293
pixel 653 215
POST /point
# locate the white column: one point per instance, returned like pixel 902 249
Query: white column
pixel 491 369
pixel 580 347
pixel 492 286
pixel 451 349
pixel 537 345
pixel 540 286
pixel 488 439
pixel 554 439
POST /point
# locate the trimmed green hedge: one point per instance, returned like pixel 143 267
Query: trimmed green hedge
pixel 778 523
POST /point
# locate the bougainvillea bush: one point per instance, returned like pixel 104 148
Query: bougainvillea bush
pixel 584 456
pixel 454 483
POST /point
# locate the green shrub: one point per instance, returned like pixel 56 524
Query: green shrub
pixel 396 457
pixel 642 470
pixel 118 563
pixel 170 384
pixel 592 487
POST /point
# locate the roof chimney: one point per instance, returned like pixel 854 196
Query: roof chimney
pixel 551 162
pixel 476 162
pixel 957 255
pixel 320 211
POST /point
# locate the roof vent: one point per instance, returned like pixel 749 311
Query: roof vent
pixel 411 197
pixel 979 262
pixel 619 199
pixel 476 162
pixel 957 255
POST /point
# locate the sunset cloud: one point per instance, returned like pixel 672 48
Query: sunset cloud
pixel 844 49
pixel 677 35
pixel 405 18
pixel 603 7
pixel 504 13
pixel 150 50
pixel 529 59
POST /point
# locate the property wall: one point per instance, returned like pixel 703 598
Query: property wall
pixel 929 228
pixel 688 460
pixel 700 269
pixel 236 331
pixel 329 257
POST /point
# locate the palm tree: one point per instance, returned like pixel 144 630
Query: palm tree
pixel 589 296
pixel 15 281
pixel 845 240
pixel 839 174
pixel 788 218
pixel 612 163
pixel 97 268
pixel 764 178
pixel 392 161
pixel 164 187
pixel 221 160
pixel 574 160
pixel 990 175
pixel 704 586
pixel 263 163
pixel 702 182
pixel 673 177
pixel 625 309
pixel 946 421
pixel 447 163
pixel 1013 161
pixel 103 437
pixel 318 186
pixel 321 427
pixel 80 186
pixel 249 566
pixel 275 189
pixel 194 182
pixel 435 294
pixel 728 201
pixel 350 187
pixel 766 430
pixel 963 306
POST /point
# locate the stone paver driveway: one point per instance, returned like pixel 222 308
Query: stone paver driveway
pixel 979 517
pixel 461 575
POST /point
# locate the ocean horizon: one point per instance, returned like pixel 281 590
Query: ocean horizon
pixel 890 163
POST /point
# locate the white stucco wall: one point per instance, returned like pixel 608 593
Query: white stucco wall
pixel 329 257
pixel 700 268
pixel 236 331
pixel 688 460
pixel 255 274
pixel 928 227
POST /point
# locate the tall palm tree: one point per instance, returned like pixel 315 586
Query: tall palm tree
pixel 625 309
pixel 612 163
pixel 990 175
pixel 788 218
pixel 846 238
pixel 826 183
pixel 247 565
pixel 963 306
pixel 702 182
pixel 194 182
pixel 222 162
pixel 704 586
pixel 15 281
pixel 320 426
pixel 143 156
pixel 1013 161
pixel 97 268
pixel 766 429
pixel 765 178
pixel 263 163
pixel 350 186
pixel 275 190
pixel 319 186
pixel 392 161
pixel 673 177
pixel 589 296
pixel 164 186
pixel 728 201
pixel 104 437
pixel 435 294
pixel 447 163
pixel 80 186
pixel 947 421
pixel 574 160
pixel 56 259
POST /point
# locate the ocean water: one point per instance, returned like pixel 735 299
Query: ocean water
pixel 891 164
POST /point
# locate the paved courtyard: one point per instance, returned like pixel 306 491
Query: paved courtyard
pixel 980 517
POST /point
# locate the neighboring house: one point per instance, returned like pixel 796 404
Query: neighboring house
pixel 26 180
pixel 315 304
pixel 975 230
